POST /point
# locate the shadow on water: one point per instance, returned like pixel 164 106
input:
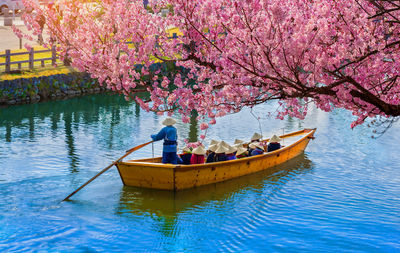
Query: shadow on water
pixel 167 205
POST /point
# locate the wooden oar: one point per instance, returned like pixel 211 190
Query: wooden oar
pixel 108 167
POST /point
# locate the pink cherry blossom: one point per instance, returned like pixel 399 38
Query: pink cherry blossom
pixel 334 54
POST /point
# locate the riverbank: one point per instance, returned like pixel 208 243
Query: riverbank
pixel 43 85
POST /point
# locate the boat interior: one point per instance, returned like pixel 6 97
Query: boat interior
pixel 287 140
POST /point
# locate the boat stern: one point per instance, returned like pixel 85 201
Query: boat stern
pixel 145 174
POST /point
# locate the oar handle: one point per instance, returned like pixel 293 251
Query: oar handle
pixel 136 148
pixel 108 167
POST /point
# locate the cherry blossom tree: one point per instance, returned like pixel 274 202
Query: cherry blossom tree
pixel 232 54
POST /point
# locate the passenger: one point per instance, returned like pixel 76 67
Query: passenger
pixel 169 134
pixel 211 154
pixel 241 152
pixel 220 153
pixel 274 143
pixel 187 154
pixel 257 149
pixel 198 155
pixel 255 138
pixel 230 153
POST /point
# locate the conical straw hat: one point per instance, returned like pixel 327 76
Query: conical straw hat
pixel 223 143
pixel 239 145
pixel 241 150
pixel 213 147
pixel 237 141
pixel 230 150
pixel 199 150
pixel 221 149
pixel 256 136
pixel 187 150
pixel 275 138
pixel 255 145
pixel 168 122
pixel 213 142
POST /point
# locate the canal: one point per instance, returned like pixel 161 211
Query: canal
pixel 342 194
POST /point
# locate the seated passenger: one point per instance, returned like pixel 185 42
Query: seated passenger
pixel 230 153
pixel 255 138
pixel 241 152
pixel 198 155
pixel 257 149
pixel 211 154
pixel 274 143
pixel 187 154
pixel 220 153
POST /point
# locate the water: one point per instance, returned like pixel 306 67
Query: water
pixel 342 194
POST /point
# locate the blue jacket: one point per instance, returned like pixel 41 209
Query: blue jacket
pixel 211 158
pixel 186 158
pixel 273 146
pixel 232 157
pixel 256 151
pixel 220 157
pixel 169 135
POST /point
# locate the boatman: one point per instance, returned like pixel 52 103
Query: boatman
pixel 168 133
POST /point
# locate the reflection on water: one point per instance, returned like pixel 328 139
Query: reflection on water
pixel 193 132
pixel 66 119
pixel 158 203
pixel 340 195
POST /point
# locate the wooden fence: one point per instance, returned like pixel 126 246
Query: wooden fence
pixel 31 59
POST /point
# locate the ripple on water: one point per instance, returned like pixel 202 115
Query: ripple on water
pixel 342 194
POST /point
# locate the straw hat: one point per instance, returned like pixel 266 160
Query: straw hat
pixel 275 138
pixel 187 150
pixel 237 141
pixel 213 147
pixel 213 142
pixel 255 145
pixel 223 143
pixel 238 145
pixel 199 151
pixel 168 122
pixel 230 150
pixel 241 150
pixel 256 136
pixel 220 150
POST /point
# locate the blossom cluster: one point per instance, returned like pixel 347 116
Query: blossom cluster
pixel 336 54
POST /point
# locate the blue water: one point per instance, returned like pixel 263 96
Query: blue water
pixel 342 194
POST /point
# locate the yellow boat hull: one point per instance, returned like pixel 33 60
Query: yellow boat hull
pixel 151 173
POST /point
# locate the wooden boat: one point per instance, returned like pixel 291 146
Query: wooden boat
pixel 151 173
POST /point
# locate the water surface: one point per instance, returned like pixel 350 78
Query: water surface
pixel 342 194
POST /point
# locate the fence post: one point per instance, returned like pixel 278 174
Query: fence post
pixel 53 55
pixel 31 58
pixel 8 61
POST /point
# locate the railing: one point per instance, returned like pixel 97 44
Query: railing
pixel 31 53
pixel 32 59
